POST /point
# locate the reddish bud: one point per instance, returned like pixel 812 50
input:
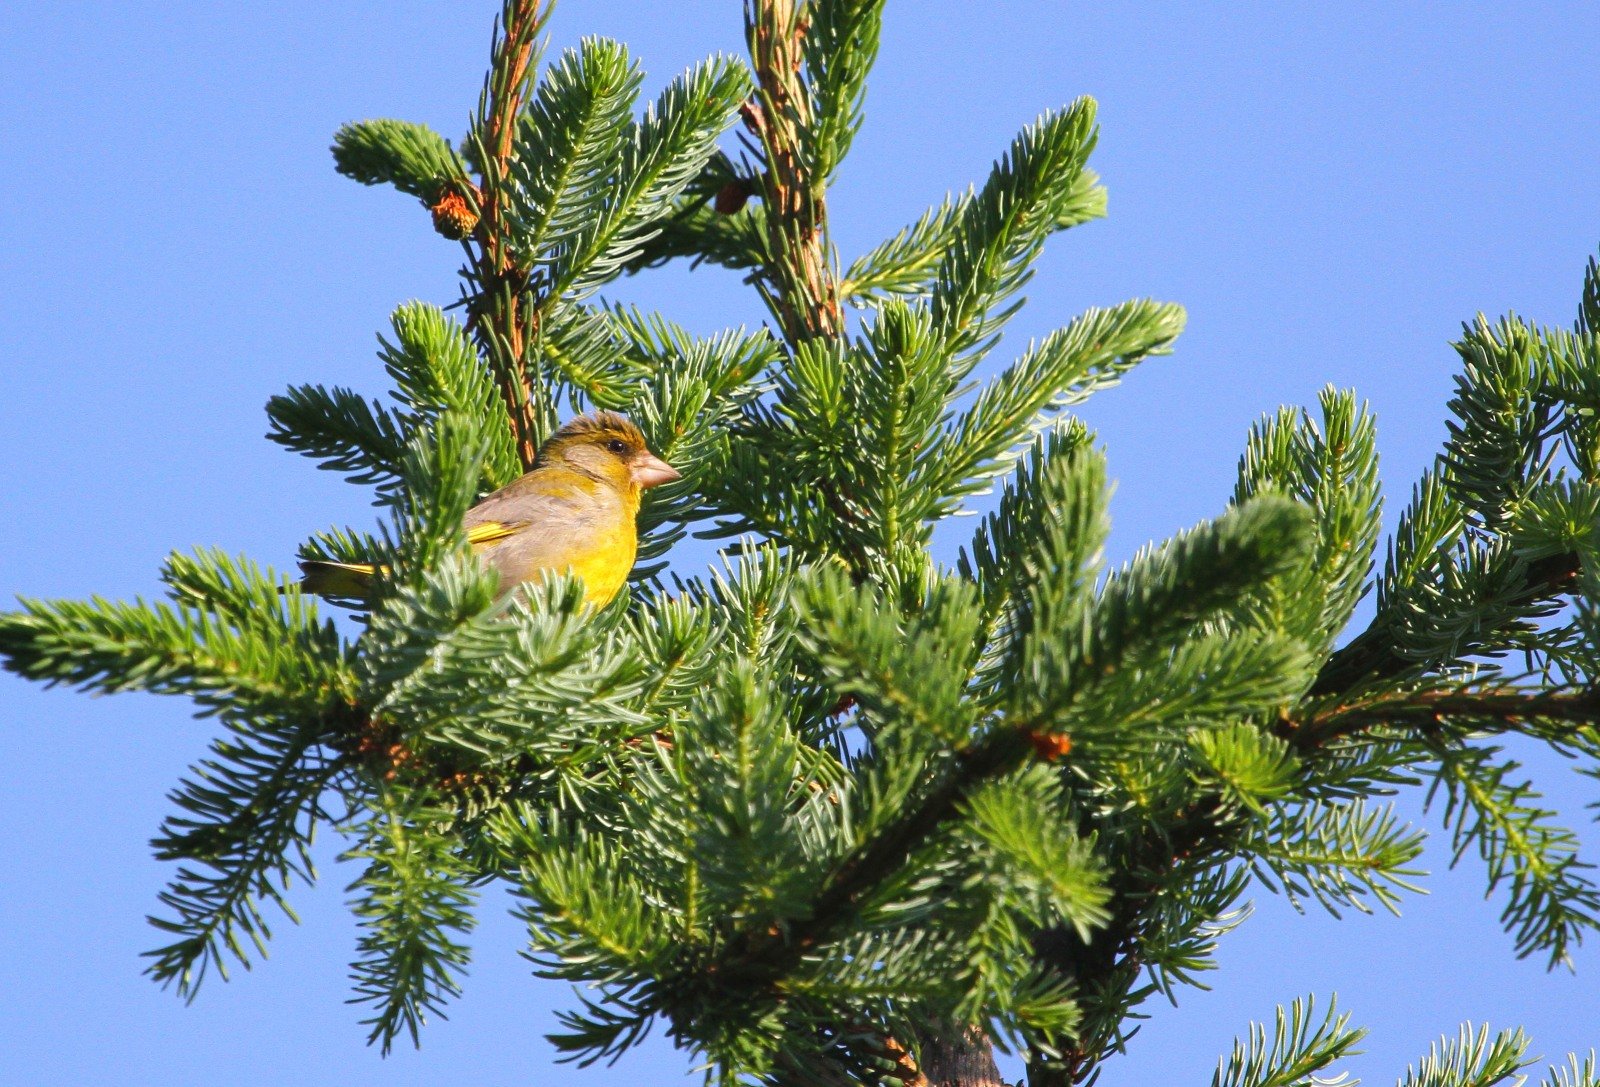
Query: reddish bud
pixel 1050 746
pixel 453 216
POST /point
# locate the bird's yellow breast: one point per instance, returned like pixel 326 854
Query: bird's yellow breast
pixel 604 568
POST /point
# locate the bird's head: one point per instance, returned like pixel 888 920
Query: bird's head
pixel 609 448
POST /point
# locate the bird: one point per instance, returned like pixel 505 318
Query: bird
pixel 575 510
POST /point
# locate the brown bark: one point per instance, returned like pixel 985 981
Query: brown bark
pixel 804 291
pixel 964 1060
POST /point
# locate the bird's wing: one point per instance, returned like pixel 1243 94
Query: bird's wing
pixel 485 533
pixel 548 516
pixel 527 499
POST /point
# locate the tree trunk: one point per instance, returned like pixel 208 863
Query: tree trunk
pixel 964 1060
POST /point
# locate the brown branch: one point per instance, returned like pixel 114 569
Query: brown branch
pixel 906 1069
pixel 1114 958
pixel 1427 709
pixel 797 280
pixel 805 291
pixel 498 314
pixel 966 1060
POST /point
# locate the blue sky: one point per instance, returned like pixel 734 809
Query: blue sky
pixel 1329 192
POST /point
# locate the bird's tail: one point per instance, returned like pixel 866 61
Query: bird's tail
pixel 336 580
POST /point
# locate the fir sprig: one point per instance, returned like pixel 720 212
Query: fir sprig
pixel 413 904
pixel 1297 1049
pixel 248 817
pixel 1472 1059
pixel 1551 903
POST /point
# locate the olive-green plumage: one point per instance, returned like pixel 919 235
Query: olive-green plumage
pixel 574 511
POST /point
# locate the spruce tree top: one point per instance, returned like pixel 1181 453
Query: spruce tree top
pixel 834 813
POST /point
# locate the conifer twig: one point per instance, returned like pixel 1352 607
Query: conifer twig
pixel 764 958
pixel 1370 656
pixel 805 288
pixel 498 315
pixel 1205 830
pixel 769 955
pixel 1426 709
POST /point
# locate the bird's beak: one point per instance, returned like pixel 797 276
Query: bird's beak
pixel 651 471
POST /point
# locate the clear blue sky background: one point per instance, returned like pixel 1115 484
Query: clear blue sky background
pixel 1329 192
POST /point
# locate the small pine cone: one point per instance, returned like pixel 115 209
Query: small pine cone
pixel 754 119
pixel 453 216
pixel 731 197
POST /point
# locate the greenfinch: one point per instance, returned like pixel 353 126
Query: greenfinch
pixel 575 510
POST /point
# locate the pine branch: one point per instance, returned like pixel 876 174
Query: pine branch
pixel 237 671
pixel 1332 467
pixel 904 672
pixel 1091 353
pixel 1372 657
pixel 282 683
pixel 661 155
pixel 437 372
pixel 1055 878
pixel 442 472
pixel 894 396
pixel 764 957
pixel 712 221
pixel 905 264
pixel 531 683
pixel 1427 711
pixel 1158 596
pixel 601 1031
pixel 1587 1073
pixel 1244 766
pixel 1149 596
pixel 1551 903
pixel 1459 567
pixel 1002 230
pixel 1296 1052
pixel 411 157
pixel 1503 415
pixel 347 432
pixel 342 545
pixel 1471 1060
pixel 1166 855
pixel 413 902
pixel 840 45
pixel 570 143
pixel 252 812
pixel 756 790
pixel 1588 322
pixel 1335 853
pixel 1039 508
pixel 698 232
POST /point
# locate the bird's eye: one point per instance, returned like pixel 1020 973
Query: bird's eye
pixel 617 446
